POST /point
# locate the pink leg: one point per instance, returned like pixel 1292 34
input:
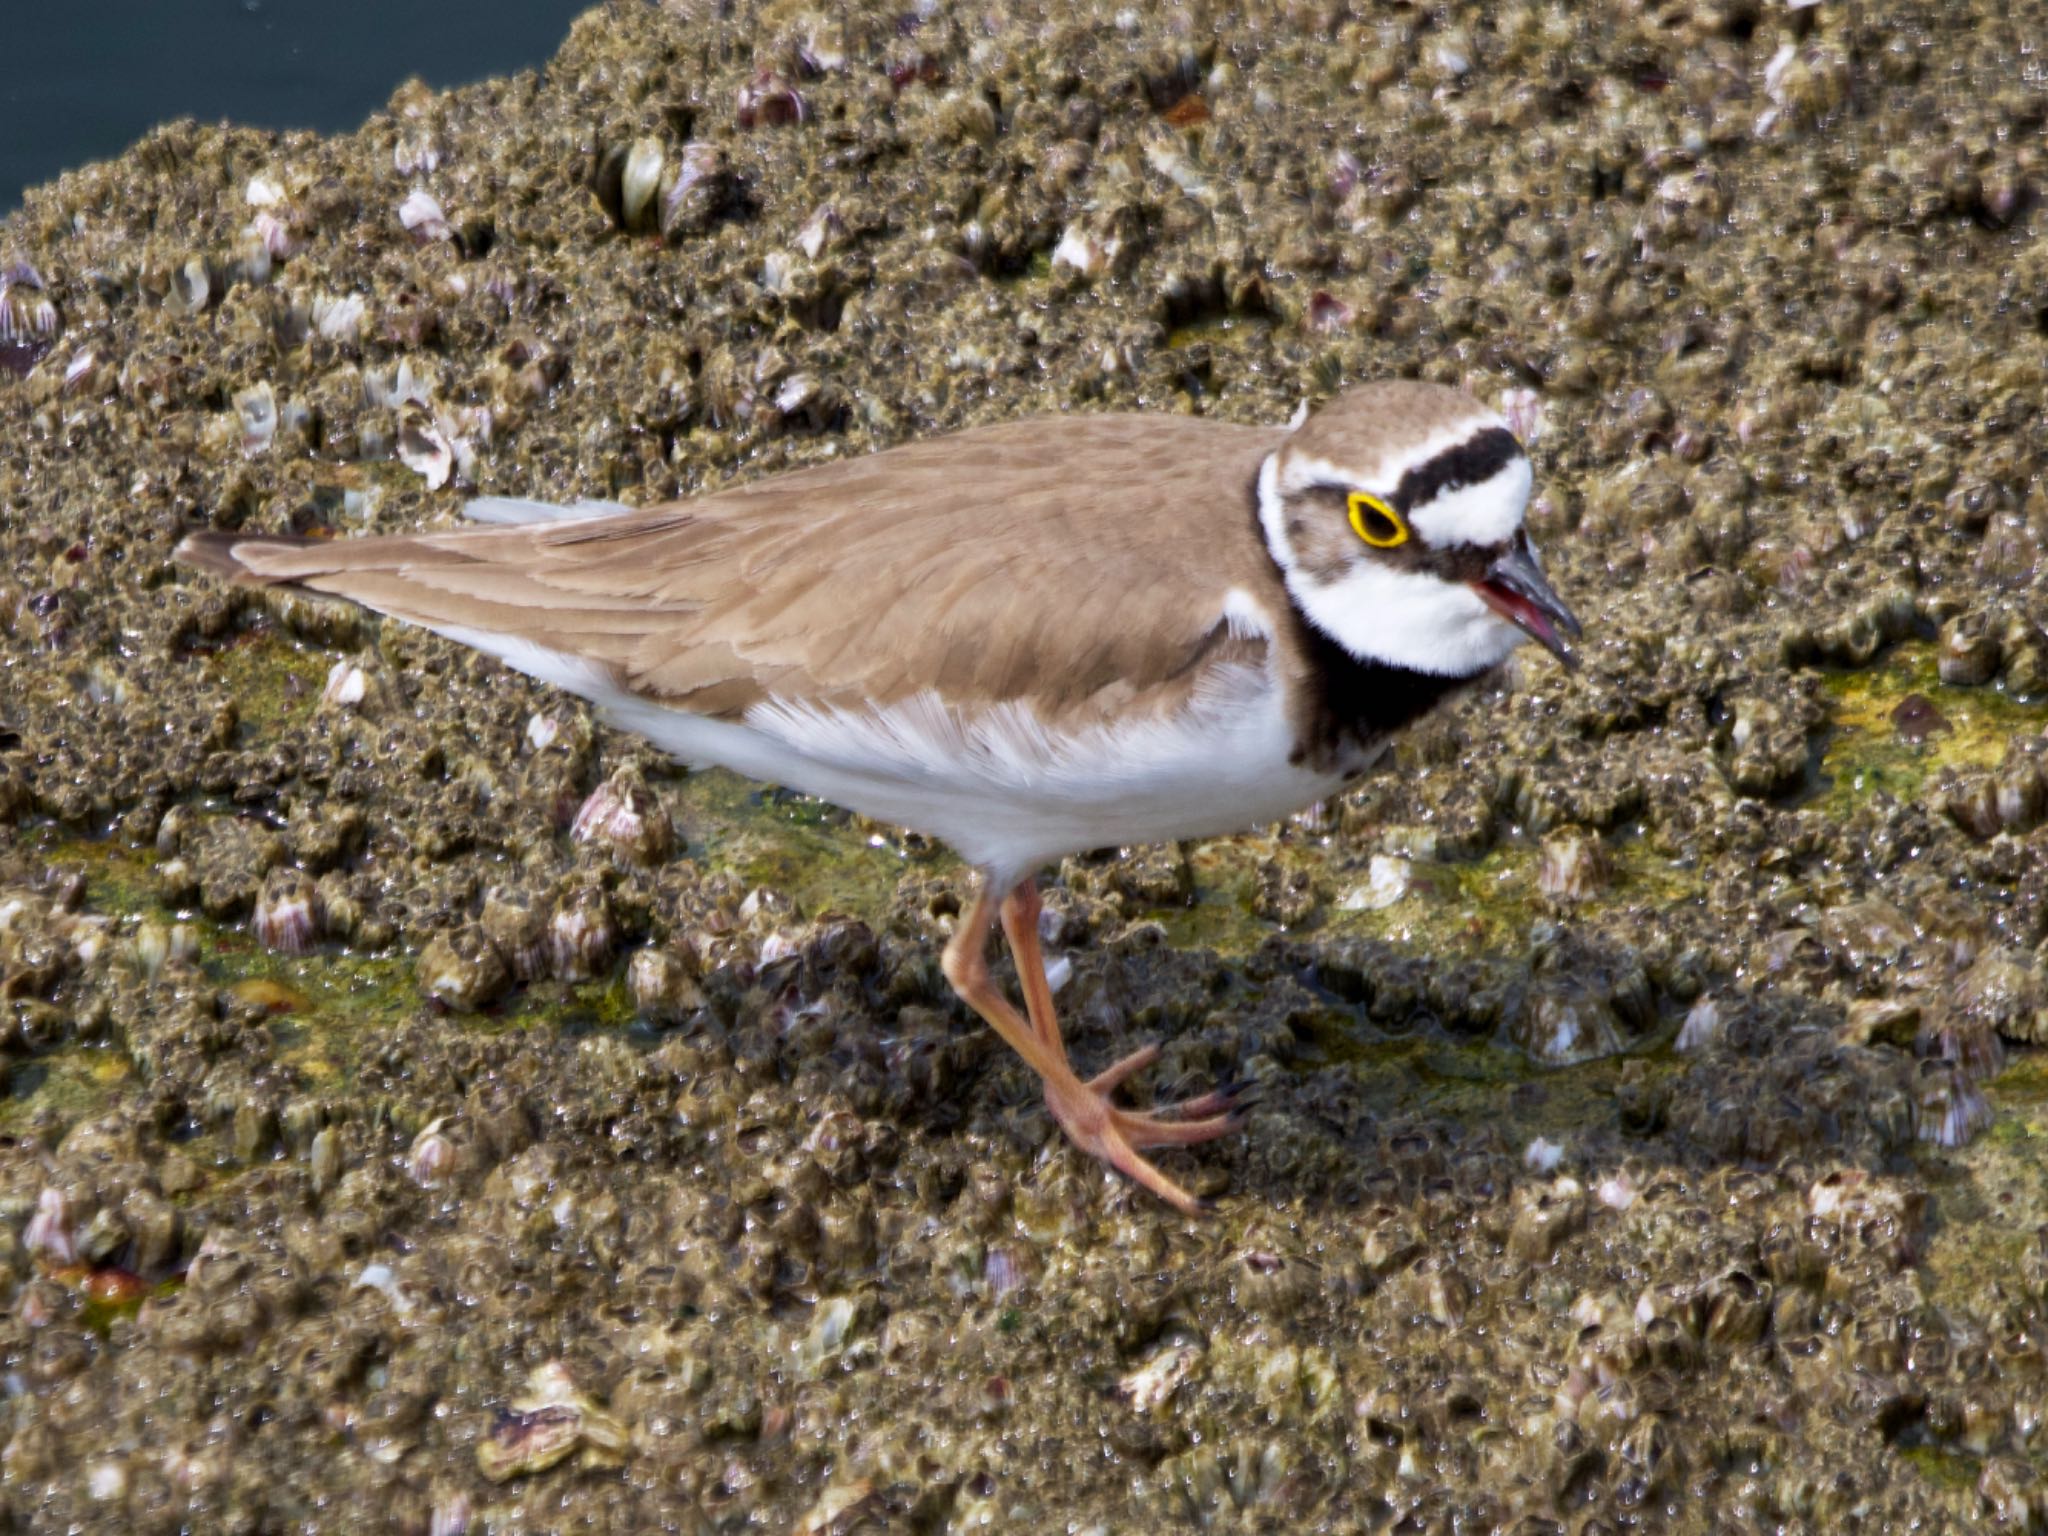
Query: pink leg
pixel 1083 1109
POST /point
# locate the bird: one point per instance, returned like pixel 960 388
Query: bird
pixel 1029 639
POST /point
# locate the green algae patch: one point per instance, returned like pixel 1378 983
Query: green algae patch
pixel 820 856
pixel 274 680
pixel 1991 1197
pixel 1219 331
pixel 328 1004
pixel 64 1084
pixel 1867 753
pixel 1450 908
pixel 119 879
pixel 1949 1470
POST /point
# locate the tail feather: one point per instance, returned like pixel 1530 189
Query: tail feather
pixel 230 555
pixel 481 581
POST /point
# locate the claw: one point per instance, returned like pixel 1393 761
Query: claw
pixel 1217 1101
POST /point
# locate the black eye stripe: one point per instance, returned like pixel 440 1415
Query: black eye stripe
pixel 1479 457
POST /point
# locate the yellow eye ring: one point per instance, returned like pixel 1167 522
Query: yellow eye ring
pixel 1376 522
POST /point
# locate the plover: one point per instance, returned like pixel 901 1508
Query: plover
pixel 1028 640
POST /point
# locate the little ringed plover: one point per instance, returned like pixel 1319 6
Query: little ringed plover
pixel 1028 640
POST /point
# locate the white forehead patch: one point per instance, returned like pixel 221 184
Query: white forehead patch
pixel 1488 512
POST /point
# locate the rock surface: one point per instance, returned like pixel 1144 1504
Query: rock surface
pixel 426 1111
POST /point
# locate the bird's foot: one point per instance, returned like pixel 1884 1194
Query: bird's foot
pixel 1119 1136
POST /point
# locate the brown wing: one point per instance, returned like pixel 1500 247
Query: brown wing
pixel 1049 558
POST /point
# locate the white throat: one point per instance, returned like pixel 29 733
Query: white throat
pixel 1405 619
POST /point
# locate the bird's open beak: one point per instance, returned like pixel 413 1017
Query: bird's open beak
pixel 1515 589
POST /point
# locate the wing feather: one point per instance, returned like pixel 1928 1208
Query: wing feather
pixel 977 566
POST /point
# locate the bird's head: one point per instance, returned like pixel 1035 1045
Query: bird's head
pixel 1395 515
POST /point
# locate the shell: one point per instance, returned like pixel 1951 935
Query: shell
pixel 661 986
pixel 640 184
pixel 422 217
pixel 1572 865
pixel 2020 794
pixel 1967 653
pixel 580 934
pixel 823 230
pixel 1948 1109
pixel 424 447
pixel 434 1156
pixel 626 181
pixel 416 152
pixel 769 101
pixel 256 409
pixel 1563 1024
pixel 1149 1386
pixel 193 288
pixel 29 320
pixel 339 320
pixel 625 816
pixel 1327 315
pixel 2003 993
pixel 1705 1024
pixel 551 1423
pixel 49 1234
pixel 517 929
pixel 702 190
pixel 288 916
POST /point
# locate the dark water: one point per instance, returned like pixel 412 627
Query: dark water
pixel 83 79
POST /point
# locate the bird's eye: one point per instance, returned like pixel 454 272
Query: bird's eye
pixel 1376 522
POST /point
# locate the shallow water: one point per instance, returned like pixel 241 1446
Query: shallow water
pixel 83 82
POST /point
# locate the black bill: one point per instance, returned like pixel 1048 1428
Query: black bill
pixel 1515 588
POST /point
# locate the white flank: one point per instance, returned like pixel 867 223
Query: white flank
pixel 1006 790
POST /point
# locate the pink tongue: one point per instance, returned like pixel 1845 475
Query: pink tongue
pixel 1519 610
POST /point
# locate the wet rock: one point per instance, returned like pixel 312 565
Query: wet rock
pixel 1869 938
pixel 463 970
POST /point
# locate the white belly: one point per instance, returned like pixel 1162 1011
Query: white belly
pixel 1001 789
pixel 1008 793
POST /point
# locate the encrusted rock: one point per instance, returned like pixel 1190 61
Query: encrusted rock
pixel 463 969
